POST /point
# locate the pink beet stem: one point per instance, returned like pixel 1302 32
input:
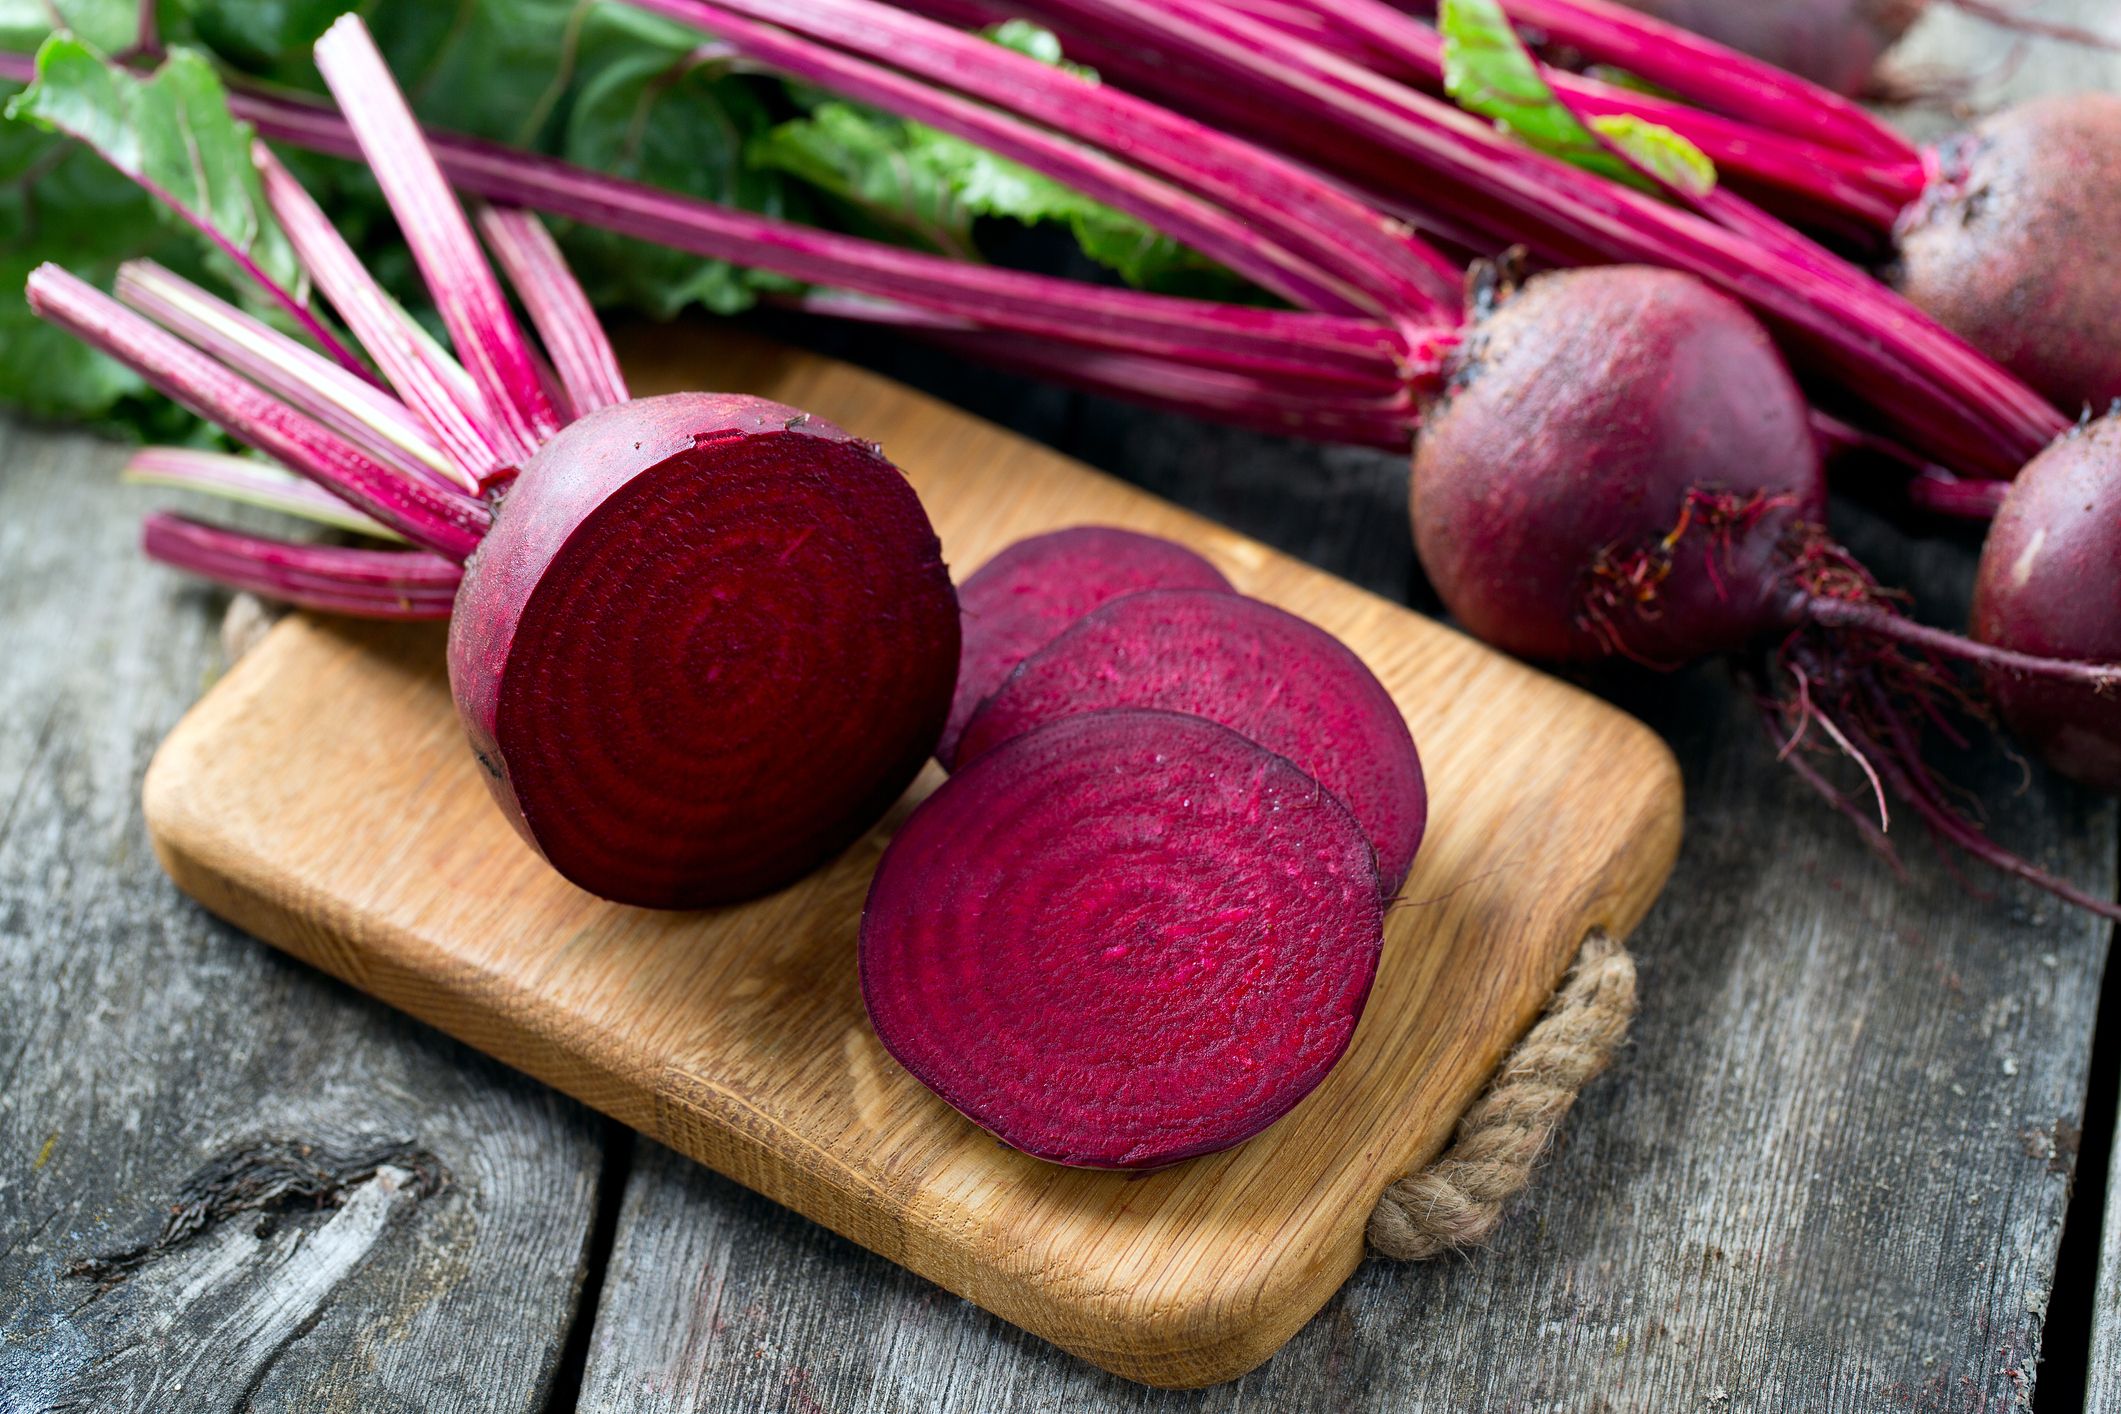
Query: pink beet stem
pixel 433 385
pixel 352 407
pixel 581 355
pixel 1231 335
pixel 1902 361
pixel 1268 193
pixel 1704 72
pixel 249 481
pixel 1210 227
pixel 444 521
pixel 1941 493
pixel 465 292
pixel 380 584
pixel 1871 189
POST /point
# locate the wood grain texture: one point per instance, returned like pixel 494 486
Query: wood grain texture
pixel 142 1041
pixel 738 1036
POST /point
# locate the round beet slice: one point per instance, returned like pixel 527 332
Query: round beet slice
pixel 1124 939
pixel 707 643
pixel 1284 683
pixel 1020 599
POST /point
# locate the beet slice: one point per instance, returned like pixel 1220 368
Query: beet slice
pixel 1124 939
pixel 707 643
pixel 1019 600
pixel 1280 681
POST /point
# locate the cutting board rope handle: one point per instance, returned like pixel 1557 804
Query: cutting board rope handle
pixel 1458 1200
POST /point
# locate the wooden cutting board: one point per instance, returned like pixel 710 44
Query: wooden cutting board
pixel 322 797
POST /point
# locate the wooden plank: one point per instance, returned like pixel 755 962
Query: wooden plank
pixel 738 1035
pixel 429 1254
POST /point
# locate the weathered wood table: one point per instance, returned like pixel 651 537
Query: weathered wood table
pixel 1834 1170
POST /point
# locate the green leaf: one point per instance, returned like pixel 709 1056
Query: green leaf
pixel 1659 152
pixel 170 132
pixel 907 181
pixel 1487 70
pixel 650 108
pixel 109 25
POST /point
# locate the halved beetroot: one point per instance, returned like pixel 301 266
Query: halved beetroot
pixel 1124 939
pixel 1270 676
pixel 1018 601
pixel 706 644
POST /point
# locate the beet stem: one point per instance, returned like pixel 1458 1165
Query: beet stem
pixel 1885 623
pixel 466 294
pixel 2006 17
pixel 1712 75
pixel 1229 335
pixel 581 354
pixel 432 383
pixel 444 521
pixel 247 481
pixel 353 407
pixel 1929 382
pixel 378 584
pixel 1288 254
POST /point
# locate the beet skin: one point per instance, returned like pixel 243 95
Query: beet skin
pixel 2049 584
pixel 2013 245
pixel 1019 600
pixel 707 643
pixel 1276 680
pixel 1123 939
pixel 1618 466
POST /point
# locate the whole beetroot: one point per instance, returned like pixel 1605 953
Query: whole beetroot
pixel 2012 244
pixel 1620 468
pixel 2050 584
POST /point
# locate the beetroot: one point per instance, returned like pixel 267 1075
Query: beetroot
pixel 1124 939
pixel 707 642
pixel 1028 593
pixel 1620 469
pixel 1616 467
pixel 2011 244
pixel 699 642
pixel 2048 585
pixel 1279 681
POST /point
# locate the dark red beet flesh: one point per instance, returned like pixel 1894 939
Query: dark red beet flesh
pixel 1123 939
pixel 2050 584
pixel 2013 245
pixel 1618 466
pixel 1265 674
pixel 1023 597
pixel 708 642
pixel 1834 43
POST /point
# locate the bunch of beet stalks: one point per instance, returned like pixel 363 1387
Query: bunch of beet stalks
pixel 1614 462
pixel 1140 920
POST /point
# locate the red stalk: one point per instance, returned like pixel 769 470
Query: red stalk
pixel 465 292
pixel 582 358
pixel 1394 274
pixel 376 584
pixel 444 521
pixel 353 407
pixel 432 384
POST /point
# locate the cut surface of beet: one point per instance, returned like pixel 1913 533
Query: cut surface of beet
pixel 1122 940
pixel 1019 600
pixel 1266 674
pixel 708 642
